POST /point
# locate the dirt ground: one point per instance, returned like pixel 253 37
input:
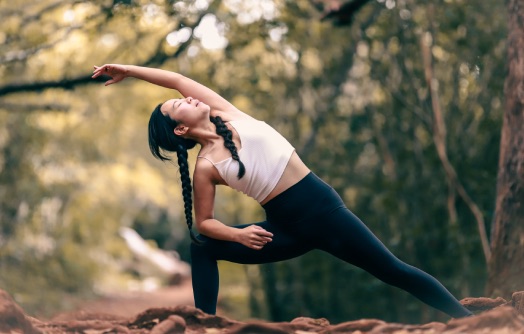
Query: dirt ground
pixel 170 310
pixel 130 304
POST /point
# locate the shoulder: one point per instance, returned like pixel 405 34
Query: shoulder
pixel 205 173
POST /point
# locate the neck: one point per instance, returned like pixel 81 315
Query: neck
pixel 205 134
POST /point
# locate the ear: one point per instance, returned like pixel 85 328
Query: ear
pixel 181 130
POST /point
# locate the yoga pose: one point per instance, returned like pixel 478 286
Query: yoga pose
pixel 302 212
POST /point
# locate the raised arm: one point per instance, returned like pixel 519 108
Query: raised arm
pixel 186 86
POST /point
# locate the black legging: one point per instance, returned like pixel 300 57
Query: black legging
pixel 311 215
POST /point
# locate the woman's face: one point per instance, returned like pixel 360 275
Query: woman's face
pixel 187 111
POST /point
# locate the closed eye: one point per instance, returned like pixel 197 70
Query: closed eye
pixel 175 105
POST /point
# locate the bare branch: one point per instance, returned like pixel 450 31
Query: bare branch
pixel 157 59
pixel 160 56
pixel 38 86
pixel 34 107
pixel 343 15
pixel 13 56
pixel 439 137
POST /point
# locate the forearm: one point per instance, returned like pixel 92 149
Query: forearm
pixel 215 229
pixel 184 85
pixel 156 76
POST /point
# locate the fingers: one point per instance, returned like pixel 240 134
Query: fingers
pixel 108 70
pixel 262 236
pixel 96 73
pixel 258 245
pixel 259 242
pixel 257 237
pixel 104 69
pixel 262 232
pixel 256 240
pixel 98 70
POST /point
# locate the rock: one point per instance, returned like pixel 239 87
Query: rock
pixel 12 318
pixel 482 303
pixel 389 328
pixel 260 328
pixel 503 319
pixel 118 330
pixel 517 301
pixel 80 326
pixel 364 325
pixel 193 317
pixel 174 324
pixel 309 324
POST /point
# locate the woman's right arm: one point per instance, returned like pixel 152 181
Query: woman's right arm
pixel 252 236
pixel 186 86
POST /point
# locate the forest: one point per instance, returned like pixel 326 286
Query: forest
pixel 408 108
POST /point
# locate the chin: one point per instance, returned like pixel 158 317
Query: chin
pixel 205 108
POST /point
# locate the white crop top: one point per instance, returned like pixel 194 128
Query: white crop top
pixel 265 154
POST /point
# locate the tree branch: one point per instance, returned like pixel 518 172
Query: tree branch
pixel 342 15
pixel 158 58
pixel 13 56
pixel 439 137
pixel 34 107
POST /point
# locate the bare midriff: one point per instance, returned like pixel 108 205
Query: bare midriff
pixel 295 171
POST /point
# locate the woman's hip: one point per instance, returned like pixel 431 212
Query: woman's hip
pixel 309 198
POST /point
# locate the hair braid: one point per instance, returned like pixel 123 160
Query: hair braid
pixel 162 140
pixel 223 131
pixel 187 189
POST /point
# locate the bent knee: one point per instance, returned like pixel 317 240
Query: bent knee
pixel 197 249
pixel 208 247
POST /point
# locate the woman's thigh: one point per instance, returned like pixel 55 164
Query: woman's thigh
pixel 284 246
pixel 349 239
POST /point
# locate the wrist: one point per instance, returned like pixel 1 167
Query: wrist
pixel 235 234
pixel 130 71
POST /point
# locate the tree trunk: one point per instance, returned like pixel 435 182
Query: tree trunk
pixel 506 268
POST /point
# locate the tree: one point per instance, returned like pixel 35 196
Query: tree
pixel 351 97
pixel 506 268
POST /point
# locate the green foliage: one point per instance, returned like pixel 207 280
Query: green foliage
pixel 75 166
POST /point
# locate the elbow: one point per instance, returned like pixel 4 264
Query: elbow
pixel 202 226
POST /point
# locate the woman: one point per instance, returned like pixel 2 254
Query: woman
pixel 302 212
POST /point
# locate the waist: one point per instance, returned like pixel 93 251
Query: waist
pixel 309 197
pixel 295 171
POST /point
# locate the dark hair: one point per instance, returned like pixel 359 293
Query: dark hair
pixel 162 139
pixel 223 131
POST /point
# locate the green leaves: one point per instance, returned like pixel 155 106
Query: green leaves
pixel 353 100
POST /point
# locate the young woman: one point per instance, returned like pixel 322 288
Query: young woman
pixel 302 212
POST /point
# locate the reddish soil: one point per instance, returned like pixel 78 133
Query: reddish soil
pixel 131 303
pixel 156 313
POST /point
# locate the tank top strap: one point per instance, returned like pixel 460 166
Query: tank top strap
pixel 202 157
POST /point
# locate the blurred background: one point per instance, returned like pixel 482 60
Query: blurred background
pixel 397 104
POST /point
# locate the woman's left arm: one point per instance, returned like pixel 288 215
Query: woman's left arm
pixel 186 86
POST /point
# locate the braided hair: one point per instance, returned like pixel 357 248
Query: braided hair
pixel 162 139
pixel 223 131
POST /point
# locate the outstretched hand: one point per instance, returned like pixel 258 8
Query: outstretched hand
pixel 115 71
pixel 255 237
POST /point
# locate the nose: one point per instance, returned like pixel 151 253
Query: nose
pixel 189 99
